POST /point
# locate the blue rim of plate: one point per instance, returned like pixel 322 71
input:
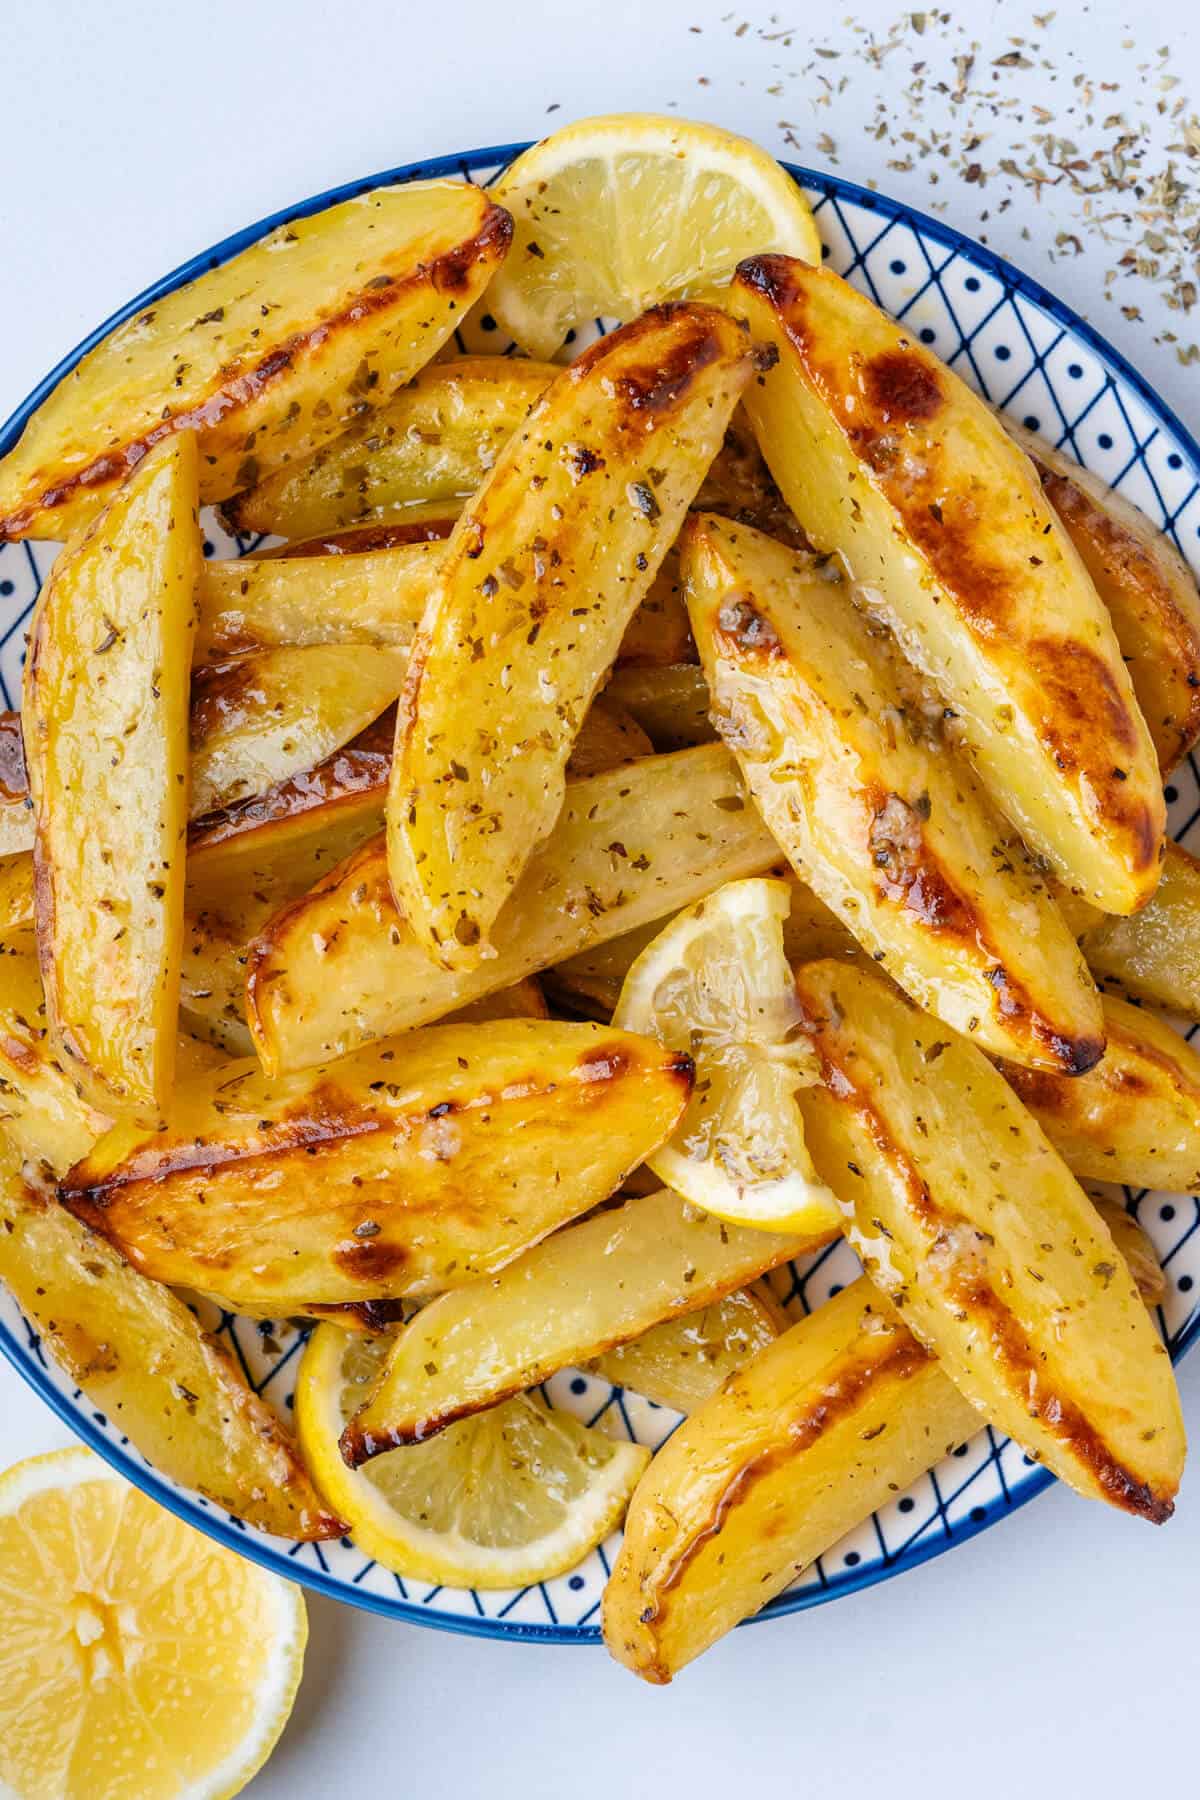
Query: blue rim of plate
pixel 230 1532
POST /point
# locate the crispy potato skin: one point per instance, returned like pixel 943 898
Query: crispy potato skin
pixel 880 815
pixel 137 1351
pixel 583 1291
pixel 105 712
pixel 886 456
pixel 800 1444
pixel 542 574
pixel 438 439
pixel 257 720
pixel 1135 1117
pixel 412 1166
pixel 1000 1261
pixel 340 967
pixel 1147 587
pixel 357 298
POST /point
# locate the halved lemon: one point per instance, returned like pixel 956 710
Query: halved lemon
pixel 507 1498
pixel 141 1661
pixel 717 984
pixel 614 214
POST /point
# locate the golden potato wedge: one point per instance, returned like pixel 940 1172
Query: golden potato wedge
pixel 426 522
pixel 266 357
pixel 659 635
pixel 1155 955
pixel 523 1000
pixel 589 1287
pixel 1135 1117
pixel 1147 587
pixel 1136 1248
pixel 16 815
pixel 438 438
pixel 41 1109
pixel 410 1166
pixel 375 597
pixel 1000 1261
pixel 801 1443
pixel 139 1353
pixel 681 1362
pixel 543 572
pixel 846 758
pixel 671 704
pixel 105 727
pixel 607 739
pixel 256 720
pixel 887 457
pixel 340 966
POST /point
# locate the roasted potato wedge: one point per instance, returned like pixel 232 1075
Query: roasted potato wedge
pixel 607 739
pixel 1136 1248
pixel 137 1351
pixel 41 1109
pixel 847 761
pixel 681 1362
pixel 266 357
pixel 543 572
pixel 104 717
pixel 426 522
pixel 16 892
pixel 256 720
pixel 1135 1117
pixel 1147 587
pixel 375 597
pixel 438 438
pixel 670 703
pixel 1000 1261
pixel 801 1444
pixel 659 635
pixel 887 457
pixel 1155 955
pixel 581 1292
pixel 340 967
pixel 410 1166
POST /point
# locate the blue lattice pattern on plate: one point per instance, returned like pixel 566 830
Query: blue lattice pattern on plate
pixel 1046 368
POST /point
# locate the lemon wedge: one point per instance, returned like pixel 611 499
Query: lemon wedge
pixel 141 1661
pixel 614 214
pixel 509 1497
pixel 717 984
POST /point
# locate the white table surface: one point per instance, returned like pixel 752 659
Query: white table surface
pixel 1057 1652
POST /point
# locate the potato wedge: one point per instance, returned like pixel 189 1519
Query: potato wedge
pixel 581 1292
pixel 803 1442
pixel 659 635
pixel 888 458
pixel 1147 587
pixel 1003 1266
pixel 16 892
pixel 681 1362
pixel 411 1166
pixel 607 740
pixel 256 720
pixel 671 704
pixel 1136 1248
pixel 543 572
pixel 427 522
pixel 438 438
pixel 105 729
pixel 139 1353
pixel 41 1109
pixel 375 597
pixel 265 357
pixel 1155 955
pixel 340 966
pixel 1135 1117
pixel 847 762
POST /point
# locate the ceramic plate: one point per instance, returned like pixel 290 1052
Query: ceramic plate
pixel 1044 366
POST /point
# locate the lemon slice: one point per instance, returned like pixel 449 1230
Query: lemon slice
pixel 141 1661
pixel 507 1498
pixel 615 214
pixel 716 983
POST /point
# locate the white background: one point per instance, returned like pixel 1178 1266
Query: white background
pixel 1057 1653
